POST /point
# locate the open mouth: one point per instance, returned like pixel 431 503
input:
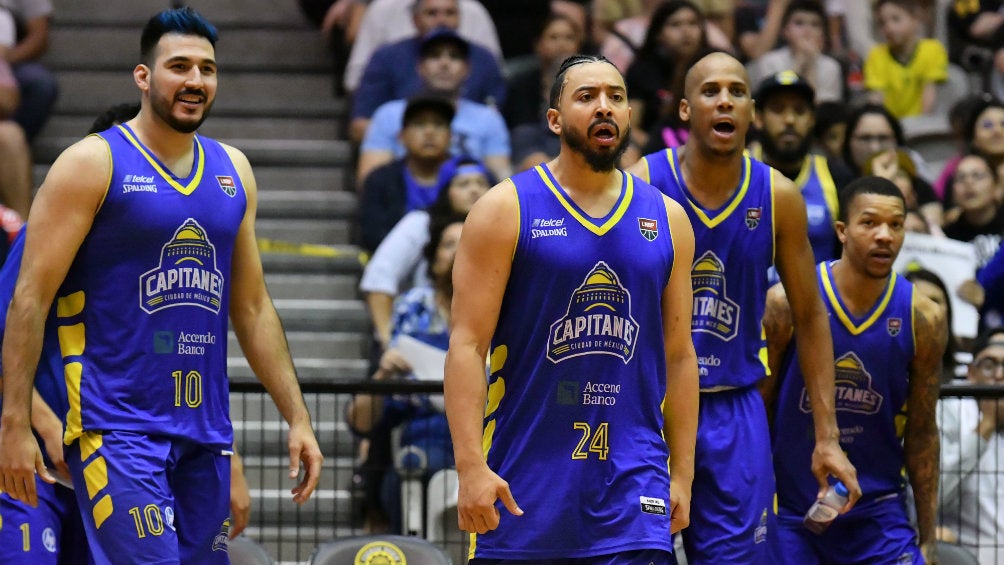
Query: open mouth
pixel 724 127
pixel 605 132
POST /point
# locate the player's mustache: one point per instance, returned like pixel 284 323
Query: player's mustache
pixel 197 92
pixel 602 121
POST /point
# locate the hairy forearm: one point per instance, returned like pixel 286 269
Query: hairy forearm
pixel 263 340
pixel 921 452
pixel 815 358
pixel 465 395
pixel 682 401
pixel 22 346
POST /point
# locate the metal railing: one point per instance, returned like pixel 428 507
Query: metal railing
pixel 290 533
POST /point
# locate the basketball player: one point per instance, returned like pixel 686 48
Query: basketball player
pixel 144 235
pixel 888 343
pixel 573 277
pixel 734 203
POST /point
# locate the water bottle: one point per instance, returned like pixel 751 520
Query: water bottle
pixel 826 509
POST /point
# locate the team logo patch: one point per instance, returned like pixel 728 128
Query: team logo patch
pixel 760 533
pixel 894 326
pixel 227 184
pixel 220 541
pixel 753 216
pixel 714 312
pixel 187 273
pixel 649 228
pixel 379 553
pixel 854 390
pixel 49 540
pixel 598 320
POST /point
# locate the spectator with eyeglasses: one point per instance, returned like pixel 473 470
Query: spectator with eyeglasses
pixel 984 132
pixel 972 456
pixel 977 195
pixel 873 134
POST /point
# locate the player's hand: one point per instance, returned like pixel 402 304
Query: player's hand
pixel 50 428
pixel 303 448
pixel 20 459
pixel 392 362
pixel 240 497
pixel 479 489
pixel 679 501
pixel 930 553
pixel 829 459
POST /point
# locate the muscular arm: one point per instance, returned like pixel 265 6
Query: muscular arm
pixel 59 220
pixel 480 274
pixel 812 331
pixel 920 437
pixel 263 340
pixel 778 328
pixel 681 405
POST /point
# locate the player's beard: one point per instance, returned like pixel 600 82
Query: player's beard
pixel 785 155
pixel 163 108
pixel 600 160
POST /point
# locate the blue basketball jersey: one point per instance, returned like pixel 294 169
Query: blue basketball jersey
pixel 142 314
pixel 821 205
pixel 578 376
pixel 872 363
pixel 734 250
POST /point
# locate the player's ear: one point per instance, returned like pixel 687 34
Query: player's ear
pixel 684 110
pixel 841 228
pixel 554 121
pixel 141 75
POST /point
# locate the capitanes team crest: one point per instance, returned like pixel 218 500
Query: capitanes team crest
pixel 598 320
pixel 649 228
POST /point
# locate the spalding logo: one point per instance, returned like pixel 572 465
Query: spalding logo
pixel 380 553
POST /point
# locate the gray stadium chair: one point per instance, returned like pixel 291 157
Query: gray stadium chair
pixel 370 549
pixel 951 554
pixel 244 551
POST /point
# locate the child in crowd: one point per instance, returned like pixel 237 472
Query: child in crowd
pixel 902 72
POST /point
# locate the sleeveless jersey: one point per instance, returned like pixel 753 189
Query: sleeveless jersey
pixel 578 374
pixel 872 363
pixel 821 205
pixel 142 313
pixel 734 248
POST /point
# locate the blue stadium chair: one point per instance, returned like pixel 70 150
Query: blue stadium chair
pixel 951 554
pixel 379 549
pixel 244 551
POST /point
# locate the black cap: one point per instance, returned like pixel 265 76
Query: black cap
pixel 442 106
pixel 440 36
pixel 784 80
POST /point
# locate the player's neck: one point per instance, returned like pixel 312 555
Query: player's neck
pixel 174 148
pixel 858 291
pixel 711 178
pixel 595 192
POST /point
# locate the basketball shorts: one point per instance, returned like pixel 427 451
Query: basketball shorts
pixel 151 500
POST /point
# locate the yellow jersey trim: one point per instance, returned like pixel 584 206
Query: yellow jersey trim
pixel 842 315
pixel 587 222
pixel 744 184
pixel 199 165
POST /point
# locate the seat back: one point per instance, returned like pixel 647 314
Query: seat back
pixel 244 551
pixel 364 550
pixel 951 554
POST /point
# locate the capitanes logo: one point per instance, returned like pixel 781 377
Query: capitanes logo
pixel 187 273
